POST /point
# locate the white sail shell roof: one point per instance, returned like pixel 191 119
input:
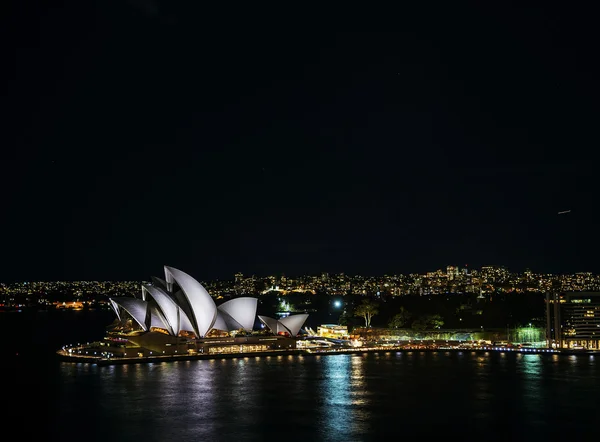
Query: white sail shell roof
pixel 242 311
pixel 184 322
pixel 137 308
pixel 157 319
pixel 167 307
pixel 200 303
pixel 294 322
pixel 220 323
pixel 180 303
pixel 271 323
pixel 115 307
pixel 290 324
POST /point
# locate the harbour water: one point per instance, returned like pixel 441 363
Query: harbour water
pixel 350 397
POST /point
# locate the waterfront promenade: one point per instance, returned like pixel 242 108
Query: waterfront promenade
pixel 67 356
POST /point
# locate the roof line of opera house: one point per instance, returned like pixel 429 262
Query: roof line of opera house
pixel 191 308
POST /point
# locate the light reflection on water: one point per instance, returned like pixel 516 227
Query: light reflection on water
pixel 531 399
pixel 333 398
pixel 344 400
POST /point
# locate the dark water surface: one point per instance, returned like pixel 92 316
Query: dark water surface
pixel 375 396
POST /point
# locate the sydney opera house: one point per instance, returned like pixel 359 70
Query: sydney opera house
pixel 176 315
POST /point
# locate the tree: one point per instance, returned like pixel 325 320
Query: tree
pixel 367 309
pixel 400 319
pixel 419 324
pixel 428 322
pixel 343 319
pixel 434 321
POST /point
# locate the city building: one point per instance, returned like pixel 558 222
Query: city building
pixel 333 331
pixel 573 320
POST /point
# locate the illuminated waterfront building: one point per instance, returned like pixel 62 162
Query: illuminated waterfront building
pixel 573 320
pixel 333 331
pixel 177 314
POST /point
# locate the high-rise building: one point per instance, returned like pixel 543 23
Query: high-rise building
pixel 451 272
pixel 573 320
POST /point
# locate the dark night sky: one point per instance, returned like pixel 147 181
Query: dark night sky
pixel 139 133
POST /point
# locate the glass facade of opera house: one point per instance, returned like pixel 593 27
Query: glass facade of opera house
pixel 177 316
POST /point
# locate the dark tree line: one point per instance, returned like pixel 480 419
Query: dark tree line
pixel 447 311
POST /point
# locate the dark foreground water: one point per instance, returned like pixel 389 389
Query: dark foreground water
pixel 383 396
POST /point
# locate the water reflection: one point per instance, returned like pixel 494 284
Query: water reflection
pixel 482 404
pixel 358 393
pixel 155 395
pixel 344 397
pixel 333 398
pixel 234 386
pixel 531 370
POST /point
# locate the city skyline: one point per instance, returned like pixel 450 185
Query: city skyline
pixel 464 268
pixel 136 136
pixel 495 273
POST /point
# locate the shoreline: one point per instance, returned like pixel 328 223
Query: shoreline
pixel 304 352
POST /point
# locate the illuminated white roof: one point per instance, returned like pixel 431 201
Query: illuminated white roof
pixel 166 306
pixel 294 322
pixel 136 308
pixel 184 322
pixel 242 311
pixel 115 307
pixel 157 319
pixel 202 309
pixel 220 323
pixel 180 303
pixel 290 324
pixel 271 323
